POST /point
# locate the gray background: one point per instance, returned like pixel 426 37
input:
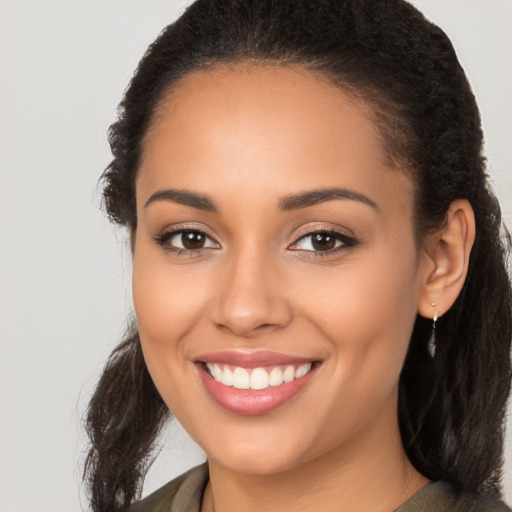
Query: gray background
pixel 64 272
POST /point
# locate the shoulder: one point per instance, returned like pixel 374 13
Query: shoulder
pixel 441 497
pixel 183 494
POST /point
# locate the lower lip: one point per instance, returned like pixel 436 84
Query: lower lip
pixel 250 402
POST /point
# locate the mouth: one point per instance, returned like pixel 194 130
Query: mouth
pixel 256 378
pixel 254 384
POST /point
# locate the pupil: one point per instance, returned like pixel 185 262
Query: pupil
pixel 323 242
pixel 192 240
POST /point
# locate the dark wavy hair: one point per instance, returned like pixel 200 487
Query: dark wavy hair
pixel 384 52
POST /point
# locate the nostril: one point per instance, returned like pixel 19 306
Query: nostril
pixel 247 331
pixel 242 310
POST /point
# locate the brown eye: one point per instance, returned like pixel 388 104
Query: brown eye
pixel 192 239
pixel 186 240
pixel 323 241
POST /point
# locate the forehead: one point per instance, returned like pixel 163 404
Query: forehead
pixel 250 124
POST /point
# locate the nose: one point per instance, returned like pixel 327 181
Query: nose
pixel 251 297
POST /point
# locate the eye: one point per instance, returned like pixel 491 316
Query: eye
pixel 322 241
pixel 186 240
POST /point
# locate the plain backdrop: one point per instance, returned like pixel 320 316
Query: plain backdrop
pixel 64 272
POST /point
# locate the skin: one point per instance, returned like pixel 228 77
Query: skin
pixel 248 137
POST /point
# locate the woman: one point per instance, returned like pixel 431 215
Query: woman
pixel 319 284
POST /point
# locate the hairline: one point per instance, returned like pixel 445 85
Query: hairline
pixel 374 102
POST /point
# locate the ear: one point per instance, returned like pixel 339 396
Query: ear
pixel 446 261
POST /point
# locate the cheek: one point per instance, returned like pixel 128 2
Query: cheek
pixel 167 297
pixel 168 304
pixel 163 303
pixel 367 309
pixel 366 313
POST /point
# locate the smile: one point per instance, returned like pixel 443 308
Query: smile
pixel 254 383
pixel 256 378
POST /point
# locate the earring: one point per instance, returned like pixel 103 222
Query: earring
pixel 432 340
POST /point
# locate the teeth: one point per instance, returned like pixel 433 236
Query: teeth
pixel 302 370
pixel 289 374
pixel 241 379
pixel 257 379
pixel 227 376
pixel 276 377
pixel 217 372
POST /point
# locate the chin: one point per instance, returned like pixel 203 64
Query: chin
pixel 264 449
pixel 255 461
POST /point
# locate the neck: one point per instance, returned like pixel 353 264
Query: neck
pixel 374 475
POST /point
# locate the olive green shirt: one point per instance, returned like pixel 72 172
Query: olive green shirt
pixel 185 494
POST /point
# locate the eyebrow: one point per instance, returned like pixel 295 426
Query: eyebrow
pixel 312 197
pixel 199 201
pixel 287 203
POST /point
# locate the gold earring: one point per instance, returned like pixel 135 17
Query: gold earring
pixel 432 340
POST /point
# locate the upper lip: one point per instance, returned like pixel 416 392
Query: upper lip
pixel 252 359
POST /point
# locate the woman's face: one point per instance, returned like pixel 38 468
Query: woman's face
pixel 275 250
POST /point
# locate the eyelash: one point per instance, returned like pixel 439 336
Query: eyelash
pixel 164 238
pixel 347 242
